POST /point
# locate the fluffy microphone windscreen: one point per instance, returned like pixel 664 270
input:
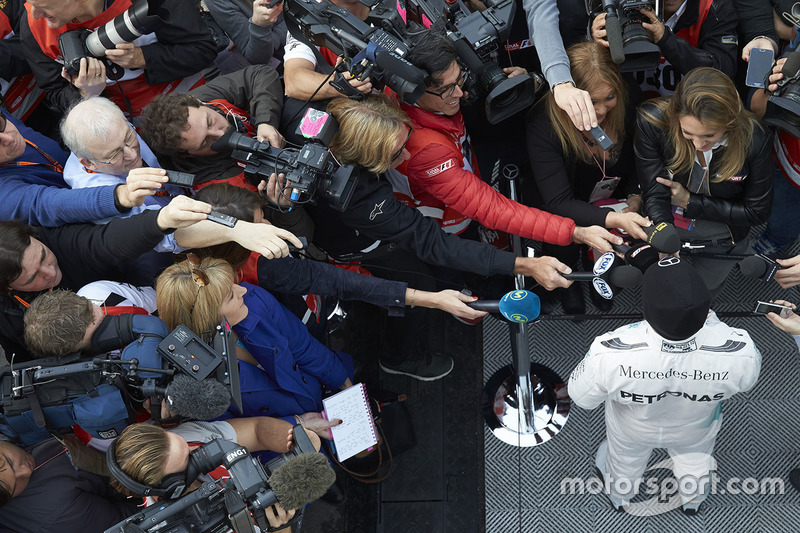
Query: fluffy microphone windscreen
pixel 753 266
pixel 664 237
pixel 520 306
pixel 201 400
pixel 301 480
pixel 625 276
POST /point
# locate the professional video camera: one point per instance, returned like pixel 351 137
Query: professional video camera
pixel 379 50
pixel 102 393
pixel 141 18
pixel 783 106
pixel 311 170
pixel 628 41
pixel 477 37
pixel 293 479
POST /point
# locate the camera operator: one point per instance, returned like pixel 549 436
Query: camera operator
pixel 41 490
pixel 32 186
pixel 696 33
pixel 149 453
pixel 170 58
pixel 182 127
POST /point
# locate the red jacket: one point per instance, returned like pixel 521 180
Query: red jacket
pixel 441 176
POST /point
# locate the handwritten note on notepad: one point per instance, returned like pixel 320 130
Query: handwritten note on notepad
pixel 357 431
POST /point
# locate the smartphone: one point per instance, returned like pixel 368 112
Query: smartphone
pixel 759 67
pixel 601 138
pixel 762 308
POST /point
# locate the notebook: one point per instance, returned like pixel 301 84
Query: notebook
pixel 357 431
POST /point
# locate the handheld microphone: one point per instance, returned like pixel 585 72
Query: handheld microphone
pixel 301 480
pixel 663 237
pixel 515 306
pixel 641 256
pixel 200 400
pixel 759 266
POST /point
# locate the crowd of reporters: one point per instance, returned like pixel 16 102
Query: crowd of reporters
pixel 109 228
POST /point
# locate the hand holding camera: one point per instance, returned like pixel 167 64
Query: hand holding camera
pixel 90 79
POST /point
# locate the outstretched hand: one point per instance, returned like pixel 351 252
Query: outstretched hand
pixel 596 237
pixel 182 212
pixel 314 422
pixel 265 239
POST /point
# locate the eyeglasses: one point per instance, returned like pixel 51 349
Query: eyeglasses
pixel 3 122
pixel 448 90
pixel 130 139
pixel 400 151
pixel 199 277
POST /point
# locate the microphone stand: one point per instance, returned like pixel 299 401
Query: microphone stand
pixel 519 401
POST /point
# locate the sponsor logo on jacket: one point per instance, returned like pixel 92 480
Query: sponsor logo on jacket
pixel 438 169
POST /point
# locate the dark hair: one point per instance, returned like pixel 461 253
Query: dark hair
pixel 15 237
pixel 433 52
pixel 5 494
pixel 234 201
pixel 165 119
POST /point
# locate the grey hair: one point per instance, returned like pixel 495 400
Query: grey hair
pixel 91 118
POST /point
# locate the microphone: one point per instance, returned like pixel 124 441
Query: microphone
pixel 609 272
pixel 641 256
pixel 301 480
pixel 759 266
pixel 792 64
pixel 515 306
pixel 200 400
pixel 614 33
pixel 663 237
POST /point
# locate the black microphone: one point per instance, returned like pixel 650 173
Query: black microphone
pixel 302 479
pixel 663 237
pixel 792 65
pixel 613 33
pixel 641 256
pixel 200 400
pixel 759 266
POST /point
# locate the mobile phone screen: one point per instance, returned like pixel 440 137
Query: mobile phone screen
pixel 758 67
pixel 762 308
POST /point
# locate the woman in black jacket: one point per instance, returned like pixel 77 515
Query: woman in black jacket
pixel 704 165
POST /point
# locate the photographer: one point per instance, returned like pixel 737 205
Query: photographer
pixel 695 33
pixel 41 490
pixel 170 58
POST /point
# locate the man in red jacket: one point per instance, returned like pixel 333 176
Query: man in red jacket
pixel 441 176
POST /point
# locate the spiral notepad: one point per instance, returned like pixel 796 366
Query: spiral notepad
pixel 357 431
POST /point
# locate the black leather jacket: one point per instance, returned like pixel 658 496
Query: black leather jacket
pixel 740 202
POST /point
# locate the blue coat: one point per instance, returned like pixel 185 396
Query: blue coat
pixel 38 195
pixel 293 364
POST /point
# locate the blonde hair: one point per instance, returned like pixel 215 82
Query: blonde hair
pixel 181 302
pixel 710 96
pixel 368 131
pixel 591 65
pixel 141 452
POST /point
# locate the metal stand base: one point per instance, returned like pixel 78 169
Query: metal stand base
pixel 501 406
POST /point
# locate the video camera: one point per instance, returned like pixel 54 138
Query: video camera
pixel 228 503
pixel 101 394
pixel 141 18
pixel 628 41
pixel 379 50
pixel 783 106
pixel 311 170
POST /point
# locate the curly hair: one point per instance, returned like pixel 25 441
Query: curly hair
pixel 165 119
pixel 56 323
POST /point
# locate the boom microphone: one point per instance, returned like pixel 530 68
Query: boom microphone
pixel 301 480
pixel 613 33
pixel 663 237
pixel 515 306
pixel 759 266
pixel 200 400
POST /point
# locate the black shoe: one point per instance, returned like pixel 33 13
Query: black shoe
pixel 599 302
pixel 335 494
pixel 794 478
pixel 572 300
pixel 429 368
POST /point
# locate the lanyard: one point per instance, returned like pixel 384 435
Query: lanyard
pixel 596 162
pixel 54 165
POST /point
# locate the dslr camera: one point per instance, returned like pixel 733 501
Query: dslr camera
pixel 141 18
